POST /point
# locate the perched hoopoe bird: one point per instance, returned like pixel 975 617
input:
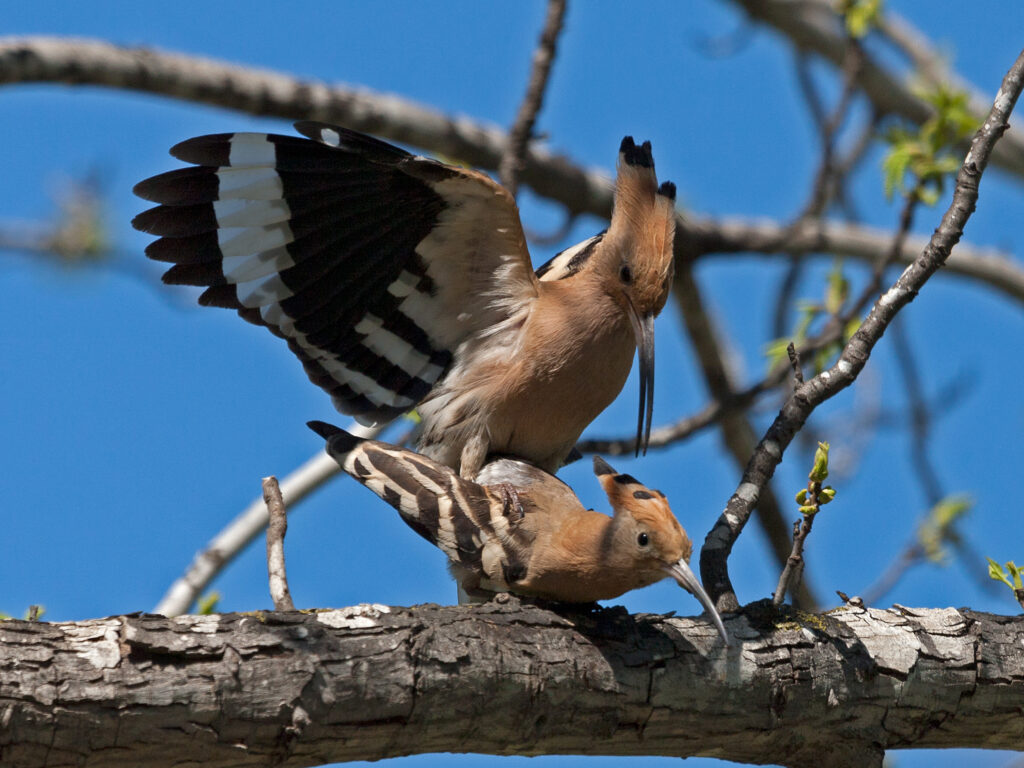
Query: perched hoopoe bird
pixel 544 543
pixel 402 283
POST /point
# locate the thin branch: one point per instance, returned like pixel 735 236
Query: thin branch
pixel 811 500
pixel 260 92
pixel 738 435
pixel 920 417
pixel 522 129
pixel 241 531
pixel 911 555
pixel 794 362
pixel 855 354
pixel 794 569
pixel 813 25
pixel 828 179
pixel 277 574
pixel 553 237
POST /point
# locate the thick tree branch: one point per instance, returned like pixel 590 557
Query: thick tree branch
pixel 364 683
pixel 262 92
pixel 865 244
pixel 797 409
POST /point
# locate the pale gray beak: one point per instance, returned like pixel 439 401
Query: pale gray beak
pixel 643 330
pixel 687 580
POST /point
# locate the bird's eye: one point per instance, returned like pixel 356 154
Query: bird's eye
pixel 643 540
pixel 626 274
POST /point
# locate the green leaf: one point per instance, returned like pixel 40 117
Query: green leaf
pixel 938 527
pixel 837 288
pixel 1015 572
pixel 894 168
pixel 928 195
pixel 995 572
pixel 851 328
pixel 819 471
pixel 776 350
pixel 826 495
pixel 207 604
pixel 860 16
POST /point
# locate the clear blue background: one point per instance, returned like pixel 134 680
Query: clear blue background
pixel 136 425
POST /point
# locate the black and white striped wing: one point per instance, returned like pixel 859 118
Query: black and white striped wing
pixel 374 264
pixel 466 521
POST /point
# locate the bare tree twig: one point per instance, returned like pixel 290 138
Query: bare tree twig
pixel 738 434
pixel 828 180
pixel 522 129
pixel 262 92
pixel 794 361
pixel 794 569
pixel 920 417
pixel 814 25
pixel 811 499
pixel 241 531
pixel 911 555
pixel 855 354
pixel 277 574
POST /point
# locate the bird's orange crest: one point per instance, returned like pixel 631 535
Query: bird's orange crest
pixel 647 506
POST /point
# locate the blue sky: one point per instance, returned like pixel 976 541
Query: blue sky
pixel 137 425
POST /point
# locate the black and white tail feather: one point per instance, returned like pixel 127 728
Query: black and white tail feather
pixel 476 528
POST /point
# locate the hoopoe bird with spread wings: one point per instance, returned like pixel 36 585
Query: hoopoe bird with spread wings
pixel 544 543
pixel 402 283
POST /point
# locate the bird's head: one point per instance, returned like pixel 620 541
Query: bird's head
pixel 648 534
pixel 638 272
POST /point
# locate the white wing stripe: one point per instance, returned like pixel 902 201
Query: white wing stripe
pixel 256 293
pixel 251 149
pixel 403 285
pixel 392 348
pixel 361 383
pixel 241 269
pixel 249 183
pixel 243 242
pixel 250 213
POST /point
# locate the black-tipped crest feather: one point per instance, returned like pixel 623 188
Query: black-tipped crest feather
pixel 634 155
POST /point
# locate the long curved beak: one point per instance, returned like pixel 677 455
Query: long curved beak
pixel 643 330
pixel 687 580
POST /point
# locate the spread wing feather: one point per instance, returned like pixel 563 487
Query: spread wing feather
pixel 376 265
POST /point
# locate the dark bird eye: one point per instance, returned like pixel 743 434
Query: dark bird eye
pixel 643 540
pixel 626 274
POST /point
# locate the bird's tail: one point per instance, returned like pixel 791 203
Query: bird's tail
pixel 452 513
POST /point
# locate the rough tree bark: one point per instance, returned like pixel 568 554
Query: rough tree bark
pixel 368 682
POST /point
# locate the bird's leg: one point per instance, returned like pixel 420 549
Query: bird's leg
pixel 474 453
pixel 510 500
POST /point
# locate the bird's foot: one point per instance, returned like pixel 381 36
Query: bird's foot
pixel 510 500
